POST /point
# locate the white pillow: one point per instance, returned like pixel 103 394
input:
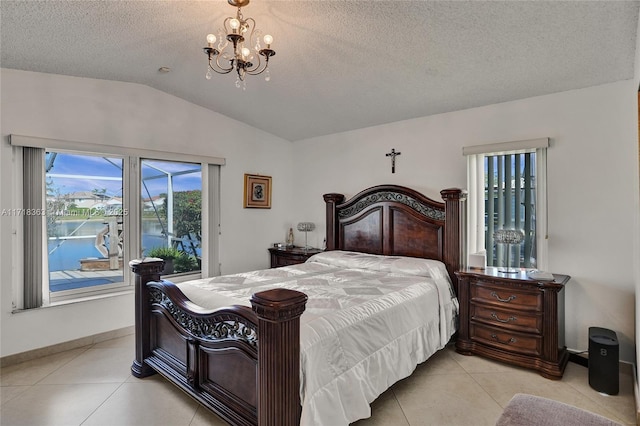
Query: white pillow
pixel 396 264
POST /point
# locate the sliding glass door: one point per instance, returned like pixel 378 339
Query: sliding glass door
pixel 172 214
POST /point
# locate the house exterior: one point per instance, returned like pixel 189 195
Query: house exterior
pixel 83 199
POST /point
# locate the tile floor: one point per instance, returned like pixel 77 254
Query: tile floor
pixel 93 386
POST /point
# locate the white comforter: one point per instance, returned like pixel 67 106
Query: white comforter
pixel 369 321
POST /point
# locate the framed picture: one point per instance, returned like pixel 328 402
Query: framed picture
pixel 257 191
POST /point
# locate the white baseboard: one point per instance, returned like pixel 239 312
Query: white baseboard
pixel 64 346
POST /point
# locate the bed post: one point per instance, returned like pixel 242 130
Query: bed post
pixel 332 228
pixel 146 270
pixel 278 312
pixel 454 245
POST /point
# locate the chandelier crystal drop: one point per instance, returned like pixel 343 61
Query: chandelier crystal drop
pixel 239 48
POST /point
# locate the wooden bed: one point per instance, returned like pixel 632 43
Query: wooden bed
pixel 237 361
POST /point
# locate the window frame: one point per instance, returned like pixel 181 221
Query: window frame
pixel 102 289
pixel 132 159
pixel 476 190
pixel 171 178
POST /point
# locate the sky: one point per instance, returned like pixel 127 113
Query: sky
pixel 71 173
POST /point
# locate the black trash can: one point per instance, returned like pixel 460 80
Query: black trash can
pixel 604 353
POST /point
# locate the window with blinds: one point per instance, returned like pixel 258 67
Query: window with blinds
pixel 510 203
pixel 82 216
pixel 507 189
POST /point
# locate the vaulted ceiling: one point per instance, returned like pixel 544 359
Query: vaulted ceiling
pixel 340 65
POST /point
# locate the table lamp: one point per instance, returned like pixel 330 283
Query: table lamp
pixel 306 227
pixel 508 237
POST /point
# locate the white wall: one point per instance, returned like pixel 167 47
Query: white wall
pixel 592 175
pixel 636 80
pixel 104 112
pixel 593 153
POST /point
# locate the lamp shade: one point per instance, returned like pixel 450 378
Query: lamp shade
pixel 306 226
pixel 508 236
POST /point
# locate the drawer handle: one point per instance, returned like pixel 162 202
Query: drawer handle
pixel 507 300
pixel 511 340
pixel 495 317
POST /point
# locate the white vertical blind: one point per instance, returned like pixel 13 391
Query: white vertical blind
pixel 33 217
pixel 542 231
pixel 475 203
pixel 210 220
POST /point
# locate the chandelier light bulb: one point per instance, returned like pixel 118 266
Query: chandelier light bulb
pixel 245 52
pixel 211 38
pixel 268 39
pixel 234 24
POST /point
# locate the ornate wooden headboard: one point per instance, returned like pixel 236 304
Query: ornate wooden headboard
pixel 395 220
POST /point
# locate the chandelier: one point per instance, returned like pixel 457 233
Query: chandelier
pixel 239 48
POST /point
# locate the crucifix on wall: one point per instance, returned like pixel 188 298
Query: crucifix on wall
pixel 393 154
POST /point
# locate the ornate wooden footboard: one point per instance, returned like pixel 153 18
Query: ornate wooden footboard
pixel 214 356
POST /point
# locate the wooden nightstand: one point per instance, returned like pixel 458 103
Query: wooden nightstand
pixel 512 318
pixel 290 256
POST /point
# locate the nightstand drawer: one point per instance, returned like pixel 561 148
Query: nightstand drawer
pixel 290 256
pixel 514 320
pixel 287 260
pixel 506 296
pixel 527 344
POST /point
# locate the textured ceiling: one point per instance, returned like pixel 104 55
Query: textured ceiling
pixel 340 65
